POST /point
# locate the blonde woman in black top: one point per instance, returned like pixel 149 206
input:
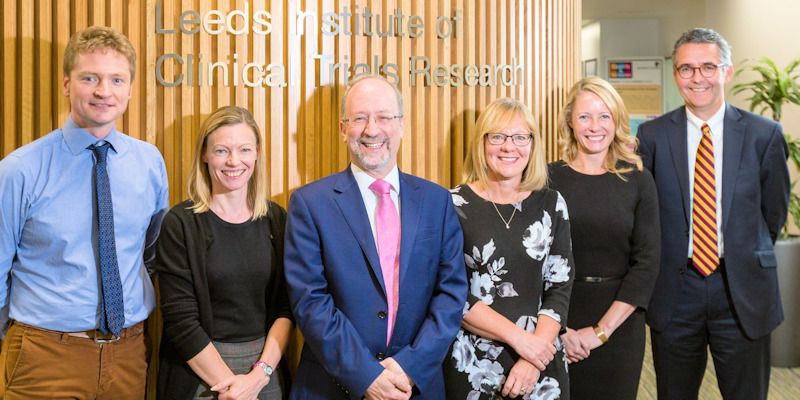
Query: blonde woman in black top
pixel 615 241
pixel 220 256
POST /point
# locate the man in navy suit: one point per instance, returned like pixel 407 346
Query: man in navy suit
pixel 718 287
pixel 372 331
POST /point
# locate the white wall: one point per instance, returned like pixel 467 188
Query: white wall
pixel 627 38
pixel 590 41
pixel 672 26
pixel 756 28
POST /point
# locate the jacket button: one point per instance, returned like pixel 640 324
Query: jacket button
pixel 382 314
pixel 380 356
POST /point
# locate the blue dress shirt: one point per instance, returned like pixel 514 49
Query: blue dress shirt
pixel 48 235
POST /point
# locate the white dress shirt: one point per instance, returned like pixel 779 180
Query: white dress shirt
pixel 370 198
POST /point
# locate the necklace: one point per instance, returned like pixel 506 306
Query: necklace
pixel 506 223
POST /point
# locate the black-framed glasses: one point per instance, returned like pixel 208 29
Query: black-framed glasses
pixel 519 139
pixel 707 70
pixel 361 120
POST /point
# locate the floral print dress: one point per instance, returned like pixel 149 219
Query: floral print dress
pixel 522 272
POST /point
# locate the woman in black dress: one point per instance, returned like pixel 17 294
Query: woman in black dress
pixel 519 265
pixel 615 241
pixel 219 258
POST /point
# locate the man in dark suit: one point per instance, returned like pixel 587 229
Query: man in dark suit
pixel 723 188
pixel 377 292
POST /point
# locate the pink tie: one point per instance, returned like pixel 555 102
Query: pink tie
pixel 387 226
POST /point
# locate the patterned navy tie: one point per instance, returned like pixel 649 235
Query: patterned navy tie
pixel 112 309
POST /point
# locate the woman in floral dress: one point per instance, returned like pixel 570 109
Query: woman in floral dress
pixel 519 263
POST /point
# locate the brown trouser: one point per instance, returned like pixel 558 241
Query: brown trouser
pixel 38 364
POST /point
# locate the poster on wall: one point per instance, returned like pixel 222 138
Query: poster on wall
pixel 639 82
pixel 635 70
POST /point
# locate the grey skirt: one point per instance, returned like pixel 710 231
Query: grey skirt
pixel 240 358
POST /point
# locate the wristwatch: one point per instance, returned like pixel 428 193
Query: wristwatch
pixel 265 367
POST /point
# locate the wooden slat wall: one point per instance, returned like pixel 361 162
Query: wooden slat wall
pixel 301 120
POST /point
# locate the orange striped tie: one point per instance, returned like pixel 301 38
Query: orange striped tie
pixel 705 255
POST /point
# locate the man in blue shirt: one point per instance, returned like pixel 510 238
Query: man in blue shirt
pixel 80 209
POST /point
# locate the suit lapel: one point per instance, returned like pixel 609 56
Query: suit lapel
pixel 348 198
pixel 678 145
pixel 733 139
pixel 410 206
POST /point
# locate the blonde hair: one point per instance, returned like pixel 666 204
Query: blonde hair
pixel 497 116
pixel 623 146
pixel 97 38
pixel 199 179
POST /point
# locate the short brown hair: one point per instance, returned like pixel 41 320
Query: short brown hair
pixel 705 36
pixel 97 38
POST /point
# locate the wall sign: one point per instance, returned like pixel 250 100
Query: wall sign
pixel 201 70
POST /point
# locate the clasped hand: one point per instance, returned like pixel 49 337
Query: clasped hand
pixel 391 384
pixel 521 379
pixel 534 349
pixel 244 386
pixel 580 343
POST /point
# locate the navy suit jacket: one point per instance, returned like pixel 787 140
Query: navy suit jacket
pixel 755 196
pixel 337 292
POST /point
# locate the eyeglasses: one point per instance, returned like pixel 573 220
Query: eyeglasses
pixel 707 70
pixel 361 120
pixel 519 139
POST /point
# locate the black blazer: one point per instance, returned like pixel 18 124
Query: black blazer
pixel 185 301
pixel 755 196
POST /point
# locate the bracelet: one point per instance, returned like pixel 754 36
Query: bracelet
pixel 600 334
pixel 264 366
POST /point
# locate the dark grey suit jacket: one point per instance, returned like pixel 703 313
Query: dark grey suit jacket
pixel 755 196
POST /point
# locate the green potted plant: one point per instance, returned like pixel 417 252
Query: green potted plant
pixel 774 88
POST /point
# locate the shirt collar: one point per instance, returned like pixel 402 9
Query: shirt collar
pixel 364 179
pixel 78 139
pixel 713 121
